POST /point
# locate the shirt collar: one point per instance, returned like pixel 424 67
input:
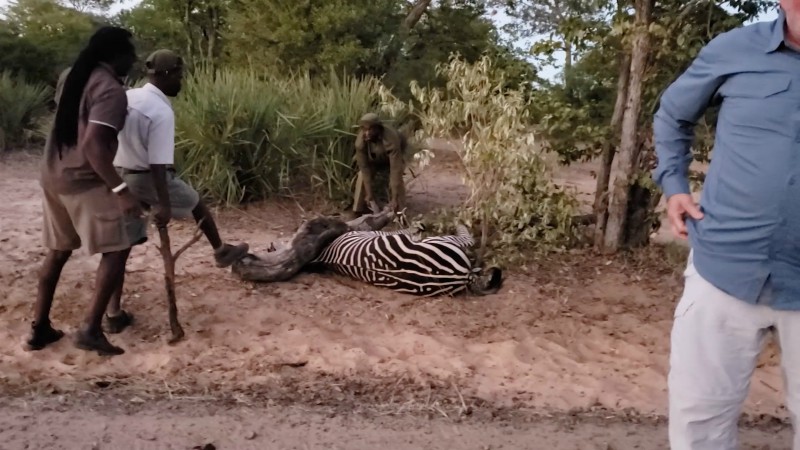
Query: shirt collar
pixel 777 37
pixel 111 70
pixel 152 88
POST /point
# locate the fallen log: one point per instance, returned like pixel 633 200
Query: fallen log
pixel 311 238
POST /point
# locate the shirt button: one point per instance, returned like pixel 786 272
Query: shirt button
pixel 792 180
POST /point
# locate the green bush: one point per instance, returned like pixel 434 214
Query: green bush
pixel 243 135
pixel 512 198
pixel 22 107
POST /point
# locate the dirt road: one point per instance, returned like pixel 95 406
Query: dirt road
pixel 167 425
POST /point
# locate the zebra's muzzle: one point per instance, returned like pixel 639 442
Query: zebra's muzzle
pixel 486 282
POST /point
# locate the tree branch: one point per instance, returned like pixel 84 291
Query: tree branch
pixel 169 277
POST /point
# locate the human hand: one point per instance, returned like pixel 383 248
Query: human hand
pixel 678 206
pixel 162 215
pixel 130 206
pixel 373 205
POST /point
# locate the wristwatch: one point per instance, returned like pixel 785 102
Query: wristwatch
pixel 118 190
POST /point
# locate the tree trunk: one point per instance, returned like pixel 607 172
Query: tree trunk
pixel 416 13
pixel 215 19
pixel 211 46
pixel 395 46
pixel 567 56
pixel 642 220
pixel 187 26
pixel 628 163
pixel 604 174
pixel 308 242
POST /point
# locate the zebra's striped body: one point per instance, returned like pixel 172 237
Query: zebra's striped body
pixel 402 261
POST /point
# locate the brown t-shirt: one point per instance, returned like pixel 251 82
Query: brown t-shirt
pixel 103 102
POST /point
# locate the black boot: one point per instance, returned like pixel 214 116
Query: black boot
pixel 42 335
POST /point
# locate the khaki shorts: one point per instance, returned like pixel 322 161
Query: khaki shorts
pixel 182 197
pixel 92 219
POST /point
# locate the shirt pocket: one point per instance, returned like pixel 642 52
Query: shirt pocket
pixel 108 229
pixel 758 101
pixel 757 85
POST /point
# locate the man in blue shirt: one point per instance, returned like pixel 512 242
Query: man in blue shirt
pixel 742 280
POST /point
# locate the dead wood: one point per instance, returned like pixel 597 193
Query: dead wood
pixel 169 278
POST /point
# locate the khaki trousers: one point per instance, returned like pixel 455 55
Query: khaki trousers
pixel 716 340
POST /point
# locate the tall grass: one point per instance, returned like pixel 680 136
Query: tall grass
pixel 22 107
pixel 244 135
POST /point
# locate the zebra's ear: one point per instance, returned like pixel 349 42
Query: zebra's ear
pixel 462 230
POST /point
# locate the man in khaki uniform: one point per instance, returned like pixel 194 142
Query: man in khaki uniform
pixel 377 145
pixel 85 202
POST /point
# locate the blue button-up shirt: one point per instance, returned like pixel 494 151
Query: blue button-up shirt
pixel 750 232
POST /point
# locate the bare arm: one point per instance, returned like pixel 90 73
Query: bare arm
pixel 396 169
pixel 159 173
pixel 160 152
pixel 100 146
pixel 367 171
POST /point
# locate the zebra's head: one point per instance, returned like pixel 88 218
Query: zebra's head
pixel 485 282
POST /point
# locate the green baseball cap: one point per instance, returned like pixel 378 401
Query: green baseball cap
pixel 162 61
pixel 370 119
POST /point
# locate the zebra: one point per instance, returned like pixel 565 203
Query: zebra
pixel 406 262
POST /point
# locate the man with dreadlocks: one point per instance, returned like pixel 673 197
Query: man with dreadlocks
pixel 85 201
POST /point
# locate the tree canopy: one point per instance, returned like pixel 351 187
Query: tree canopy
pixel 619 56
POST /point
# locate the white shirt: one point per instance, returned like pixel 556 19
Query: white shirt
pixel 148 136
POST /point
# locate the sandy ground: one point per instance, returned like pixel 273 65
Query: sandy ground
pixel 577 334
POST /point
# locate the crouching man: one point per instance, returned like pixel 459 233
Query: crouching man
pixel 378 144
pixel 145 161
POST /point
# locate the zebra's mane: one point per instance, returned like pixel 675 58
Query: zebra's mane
pixel 414 232
pixel 462 239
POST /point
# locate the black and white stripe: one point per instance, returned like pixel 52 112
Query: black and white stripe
pixel 402 260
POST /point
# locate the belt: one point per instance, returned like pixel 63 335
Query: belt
pixel 125 171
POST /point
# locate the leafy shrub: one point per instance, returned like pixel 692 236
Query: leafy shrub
pixel 243 135
pixel 512 198
pixel 22 107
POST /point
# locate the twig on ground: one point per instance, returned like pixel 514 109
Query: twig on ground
pixel 460 397
pixel 437 408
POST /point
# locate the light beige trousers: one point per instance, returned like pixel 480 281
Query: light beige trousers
pixel 716 340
